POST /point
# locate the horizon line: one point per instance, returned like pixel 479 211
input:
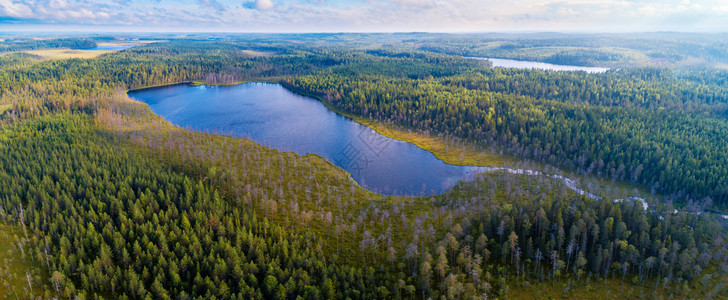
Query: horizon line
pixel 185 31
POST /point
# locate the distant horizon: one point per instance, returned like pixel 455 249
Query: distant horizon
pixel 223 31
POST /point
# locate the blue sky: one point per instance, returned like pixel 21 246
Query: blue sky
pixel 366 15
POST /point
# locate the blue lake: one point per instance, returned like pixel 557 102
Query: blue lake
pixel 522 64
pixel 110 47
pixel 276 117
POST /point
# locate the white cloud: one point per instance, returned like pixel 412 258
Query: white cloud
pixel 382 15
pixel 56 11
pixel 264 4
pixel 12 9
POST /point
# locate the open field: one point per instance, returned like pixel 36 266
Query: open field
pixel 254 53
pixel 67 53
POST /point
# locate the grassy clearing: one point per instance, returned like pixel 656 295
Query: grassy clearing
pixel 18 271
pixel 4 107
pixel 468 155
pixel 67 53
pixel 570 288
pixel 254 53
pixel 588 287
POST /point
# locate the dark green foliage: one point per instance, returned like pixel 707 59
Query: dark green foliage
pixel 602 232
pixel 646 88
pixel 19 59
pixel 31 44
pixel 117 222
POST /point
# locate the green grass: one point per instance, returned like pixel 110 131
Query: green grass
pixel 570 288
pixel 5 107
pixel 16 265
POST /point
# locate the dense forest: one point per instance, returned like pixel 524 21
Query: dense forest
pixel 111 221
pixel 108 200
pixel 31 44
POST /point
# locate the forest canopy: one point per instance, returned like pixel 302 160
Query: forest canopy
pixel 105 199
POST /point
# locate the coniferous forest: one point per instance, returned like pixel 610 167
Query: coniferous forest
pixel 100 198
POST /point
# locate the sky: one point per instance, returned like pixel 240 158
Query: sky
pixel 365 15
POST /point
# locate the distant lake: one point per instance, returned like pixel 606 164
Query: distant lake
pixel 276 117
pixel 110 47
pixel 522 64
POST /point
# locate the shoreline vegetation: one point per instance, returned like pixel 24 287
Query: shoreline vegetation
pixel 457 155
pixel 463 153
pixel 462 156
pixel 460 153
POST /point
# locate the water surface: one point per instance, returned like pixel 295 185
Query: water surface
pixel 110 47
pixel 276 117
pixel 522 64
